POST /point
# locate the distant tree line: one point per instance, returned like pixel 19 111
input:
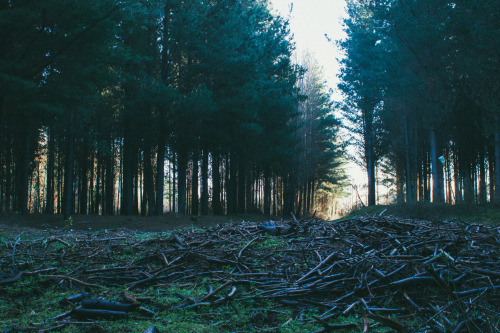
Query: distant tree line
pixel 140 107
pixel 421 80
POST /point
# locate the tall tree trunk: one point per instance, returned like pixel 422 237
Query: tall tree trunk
pixel 497 166
pixel 267 191
pixel 216 188
pixel 307 211
pixel 3 176
pixel 174 181
pixel 110 181
pixel 304 199
pixel 313 194
pixel 482 177
pixel 370 165
pixel 275 196
pixel 195 186
pixel 160 176
pixel 83 195
pixel 249 192
pixel 60 182
pixel 103 187
pixel 148 180
pixel 288 194
pixel 91 184
pixel 491 171
pixel 127 206
pixel 449 189
pixel 68 173
pixel 182 167
pixel 231 184
pixel 49 205
pixel 458 180
pixel 409 183
pixel 204 183
pixel 468 185
pixel 399 184
pixel 437 170
pixel 136 183
pixel 427 197
pixel 24 175
pixel 241 185
pixel 97 196
pixel 299 206
pixel 143 194
pixel 8 180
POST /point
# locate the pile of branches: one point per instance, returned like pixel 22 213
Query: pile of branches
pixel 382 271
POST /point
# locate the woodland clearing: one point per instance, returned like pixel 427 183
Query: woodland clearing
pixel 369 273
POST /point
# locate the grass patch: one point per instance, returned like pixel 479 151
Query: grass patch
pixel 485 213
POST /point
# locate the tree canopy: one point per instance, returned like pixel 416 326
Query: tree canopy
pixel 419 81
pixel 141 107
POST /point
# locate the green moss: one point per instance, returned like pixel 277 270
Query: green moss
pixel 268 242
pixel 484 213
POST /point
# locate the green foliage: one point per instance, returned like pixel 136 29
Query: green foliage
pixel 99 89
pixel 417 78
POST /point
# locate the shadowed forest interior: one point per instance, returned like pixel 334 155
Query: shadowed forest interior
pixel 203 107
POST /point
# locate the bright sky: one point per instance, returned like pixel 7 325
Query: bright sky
pixel 310 20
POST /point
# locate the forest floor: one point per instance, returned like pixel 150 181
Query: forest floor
pixel 168 221
pixel 370 272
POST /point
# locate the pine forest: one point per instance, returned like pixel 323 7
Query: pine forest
pixel 201 107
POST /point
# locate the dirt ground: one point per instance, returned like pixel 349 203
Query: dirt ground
pixel 168 221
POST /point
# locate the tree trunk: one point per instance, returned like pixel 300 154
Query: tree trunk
pixel 110 182
pixel 241 185
pixel 103 186
pixel 24 175
pixel 267 191
pixel 491 171
pixel 84 179
pixel 231 184
pixel 307 202
pixel 437 170
pixel 370 165
pixel 449 190
pixel 409 183
pixel 427 197
pixel 204 183
pixel 97 196
pixel 497 166
pixel 174 182
pixel 160 177
pixel 275 196
pixel 482 178
pixel 399 184
pixel 49 205
pixel 127 206
pixel 288 194
pixel 148 181
pixel 68 173
pixel 216 188
pixel 313 195
pixel 249 192
pixel 468 185
pixel 8 181
pixel 91 184
pixel 182 167
pixel 195 186
pixel 60 176
pixel 299 206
